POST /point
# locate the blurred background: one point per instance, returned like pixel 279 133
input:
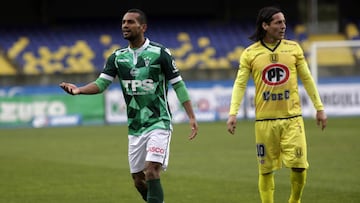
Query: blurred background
pixel 45 42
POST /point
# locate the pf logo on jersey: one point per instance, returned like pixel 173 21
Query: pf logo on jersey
pixel 275 74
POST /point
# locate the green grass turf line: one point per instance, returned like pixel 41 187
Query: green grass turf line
pixel 88 164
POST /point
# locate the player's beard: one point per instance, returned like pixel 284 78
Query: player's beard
pixel 128 36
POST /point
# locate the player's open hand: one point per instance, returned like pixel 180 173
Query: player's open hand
pixel 70 88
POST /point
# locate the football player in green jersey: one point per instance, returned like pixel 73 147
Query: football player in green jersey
pixel 144 69
pixel 275 65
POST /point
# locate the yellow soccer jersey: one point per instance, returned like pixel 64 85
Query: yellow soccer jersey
pixel 275 71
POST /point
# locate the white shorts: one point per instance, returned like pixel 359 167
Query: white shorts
pixel 153 146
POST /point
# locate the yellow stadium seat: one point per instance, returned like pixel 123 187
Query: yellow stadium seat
pixel 191 60
pixel 209 51
pixel 299 29
pixel 105 39
pixel 183 37
pixel 203 42
pixel 6 68
pixel 351 31
pixel 342 56
pixel 326 37
pixel 209 64
pixel 17 47
pixel 30 66
pixel 235 55
pixel 182 50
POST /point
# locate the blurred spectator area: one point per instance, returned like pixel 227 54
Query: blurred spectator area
pixel 84 48
pixel 332 61
pixel 52 39
pixel 196 45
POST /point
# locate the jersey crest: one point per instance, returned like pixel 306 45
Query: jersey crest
pixel 274 58
pixel 275 74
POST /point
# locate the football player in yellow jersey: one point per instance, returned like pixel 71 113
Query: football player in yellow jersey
pixel 275 64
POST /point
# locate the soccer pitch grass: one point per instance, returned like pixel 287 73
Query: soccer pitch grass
pixel 88 164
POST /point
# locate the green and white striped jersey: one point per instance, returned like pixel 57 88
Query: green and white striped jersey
pixel 144 75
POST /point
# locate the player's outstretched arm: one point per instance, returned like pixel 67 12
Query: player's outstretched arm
pixel 231 124
pixel 72 89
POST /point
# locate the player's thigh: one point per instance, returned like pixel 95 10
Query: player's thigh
pixel 158 146
pixel 267 136
pixel 293 143
pixel 137 152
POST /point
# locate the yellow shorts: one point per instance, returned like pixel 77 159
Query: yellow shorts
pixel 281 141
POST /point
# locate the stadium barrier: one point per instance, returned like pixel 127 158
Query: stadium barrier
pixel 44 106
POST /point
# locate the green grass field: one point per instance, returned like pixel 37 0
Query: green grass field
pixel 89 165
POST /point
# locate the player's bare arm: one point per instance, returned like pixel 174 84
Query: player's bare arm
pixel 192 120
pixel 72 89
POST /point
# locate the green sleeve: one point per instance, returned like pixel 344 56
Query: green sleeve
pixel 181 91
pixel 102 83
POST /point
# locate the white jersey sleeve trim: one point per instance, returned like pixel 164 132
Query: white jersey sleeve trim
pixel 106 77
pixel 175 80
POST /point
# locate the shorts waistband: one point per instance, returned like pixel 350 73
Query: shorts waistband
pixel 272 119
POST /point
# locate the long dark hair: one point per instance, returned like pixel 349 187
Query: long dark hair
pixel 265 15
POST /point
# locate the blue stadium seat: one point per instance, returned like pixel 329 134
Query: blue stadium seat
pixel 219 42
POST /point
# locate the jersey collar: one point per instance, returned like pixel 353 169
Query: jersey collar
pixel 147 42
pixel 271 49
